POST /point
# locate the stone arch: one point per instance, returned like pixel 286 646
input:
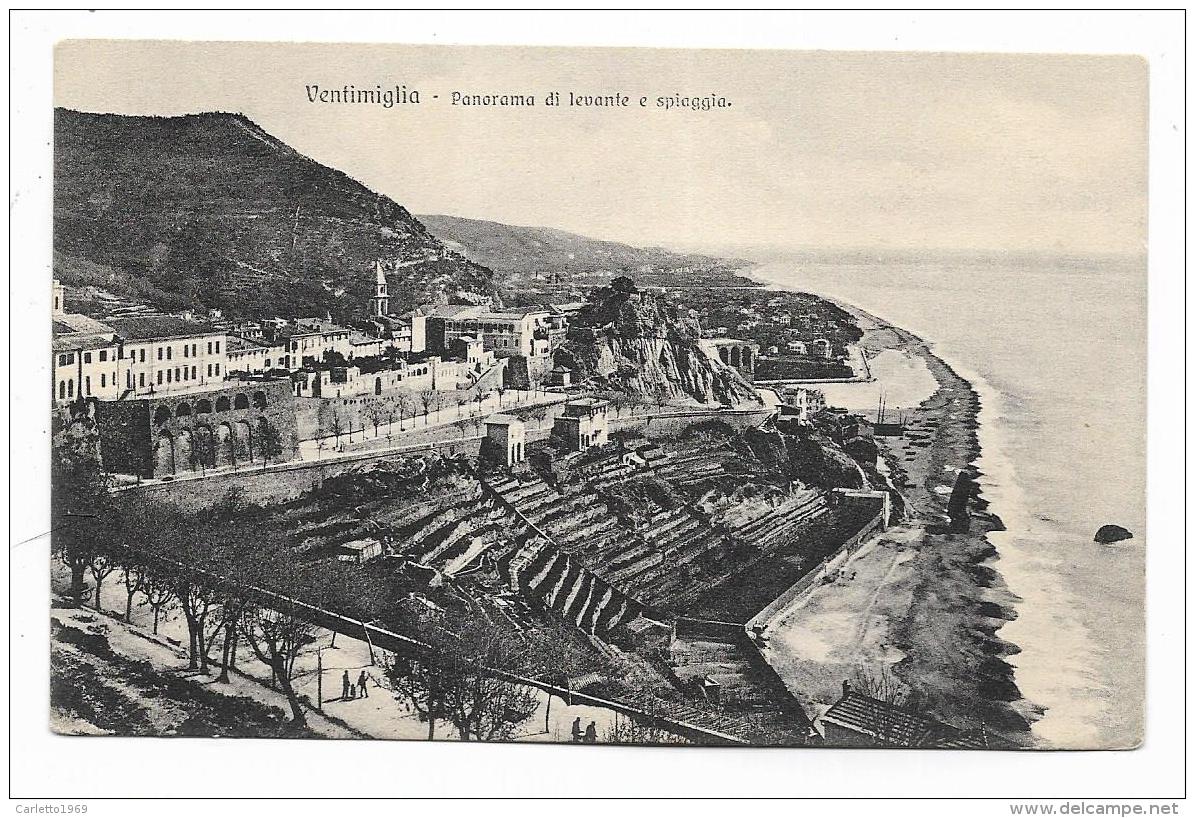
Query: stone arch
pixel 163 454
pixel 182 410
pixel 224 451
pixel 747 357
pixel 736 356
pixel 259 399
pixel 243 436
pixel 222 404
pixel 203 406
pixel 162 414
pixel 241 401
pixel 724 354
pixel 184 453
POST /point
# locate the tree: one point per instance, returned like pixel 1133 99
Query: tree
pixel 269 441
pixel 81 510
pixel 405 402
pixel 376 414
pixel 426 398
pixel 660 396
pixel 276 638
pixel 100 565
pixel 465 681
pixel 159 592
pixel 134 577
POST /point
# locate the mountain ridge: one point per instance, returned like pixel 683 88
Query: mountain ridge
pixel 211 210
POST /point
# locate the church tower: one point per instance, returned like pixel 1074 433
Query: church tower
pixel 381 296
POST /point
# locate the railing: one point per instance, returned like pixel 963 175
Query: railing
pixel 378 637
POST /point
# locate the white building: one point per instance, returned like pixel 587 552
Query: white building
pixel 164 353
pixel 531 332
pixel 507 436
pixel 583 424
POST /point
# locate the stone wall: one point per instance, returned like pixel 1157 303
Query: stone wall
pixel 244 422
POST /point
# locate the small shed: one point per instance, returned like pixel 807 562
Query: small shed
pixel 359 551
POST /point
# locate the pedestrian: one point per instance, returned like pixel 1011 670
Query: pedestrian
pixel 352 691
pixel 591 733
pixel 577 729
pixel 361 685
pixel 344 685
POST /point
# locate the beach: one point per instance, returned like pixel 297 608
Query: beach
pixel 926 603
pixel 1054 350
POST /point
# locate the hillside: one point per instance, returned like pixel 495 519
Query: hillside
pixel 637 343
pixel 535 258
pixel 209 210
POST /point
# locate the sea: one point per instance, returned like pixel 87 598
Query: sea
pixel 1056 349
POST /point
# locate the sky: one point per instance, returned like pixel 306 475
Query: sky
pixel 832 150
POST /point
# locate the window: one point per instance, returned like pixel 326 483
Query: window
pixel 86 357
pixel 168 376
pixel 209 347
pixel 141 379
pixel 217 346
pixel 143 355
pixel 159 377
pixel 159 353
pixel 176 374
pixel 194 372
pixel 103 355
pixel 168 351
pixel 87 385
pixel 103 381
pixel 61 390
pixel 217 369
pixel 194 350
pixel 209 370
pixel 186 350
pixel 70 387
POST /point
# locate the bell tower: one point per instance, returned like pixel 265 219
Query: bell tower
pixel 381 295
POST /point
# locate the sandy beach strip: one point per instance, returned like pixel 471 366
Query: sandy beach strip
pixel 925 602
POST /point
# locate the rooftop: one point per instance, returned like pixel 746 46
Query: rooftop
pixel 503 420
pixel 72 322
pixel 887 723
pixel 153 327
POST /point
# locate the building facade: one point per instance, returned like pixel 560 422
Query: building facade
pixel 583 424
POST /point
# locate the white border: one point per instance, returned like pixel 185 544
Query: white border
pixel 43 764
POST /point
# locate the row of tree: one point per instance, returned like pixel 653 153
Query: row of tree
pixel 235 580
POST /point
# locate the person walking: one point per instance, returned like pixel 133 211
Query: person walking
pixel 361 685
pixel 591 733
pixel 344 685
pixel 577 729
pixel 352 691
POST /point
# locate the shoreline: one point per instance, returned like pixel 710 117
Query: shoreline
pixel 947 600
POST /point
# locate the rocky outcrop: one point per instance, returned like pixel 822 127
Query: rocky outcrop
pixel 636 342
pixel 1112 533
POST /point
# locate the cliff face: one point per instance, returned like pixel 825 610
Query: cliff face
pixel 636 343
pixel 209 210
